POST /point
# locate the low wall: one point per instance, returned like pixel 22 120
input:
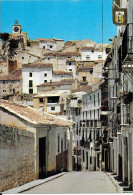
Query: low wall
pixel 17 157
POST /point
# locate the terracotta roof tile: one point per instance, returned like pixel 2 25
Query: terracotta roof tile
pixel 38 65
pixel 13 76
pixel 62 82
pixel 62 73
pixel 88 48
pixel 71 60
pixel 60 54
pixel 31 115
pixel 47 40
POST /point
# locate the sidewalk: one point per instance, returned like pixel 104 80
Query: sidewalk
pixel 116 183
pixel 31 184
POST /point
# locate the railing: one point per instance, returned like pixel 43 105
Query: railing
pixel 127 43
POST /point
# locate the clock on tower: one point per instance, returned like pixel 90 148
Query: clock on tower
pixel 16 28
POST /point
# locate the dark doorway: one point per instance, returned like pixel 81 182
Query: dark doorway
pixel 120 167
pixel 86 160
pixel 61 154
pixel 42 157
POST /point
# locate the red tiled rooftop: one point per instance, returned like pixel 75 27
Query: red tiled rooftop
pixel 62 82
pixel 62 73
pixel 38 65
pixel 60 54
pixel 31 115
pixel 88 48
pixel 13 76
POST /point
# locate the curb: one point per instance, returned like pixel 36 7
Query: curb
pixel 119 189
pixel 31 184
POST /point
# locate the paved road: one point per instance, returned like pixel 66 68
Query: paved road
pixel 77 182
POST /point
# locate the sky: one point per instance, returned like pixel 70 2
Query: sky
pixel 63 19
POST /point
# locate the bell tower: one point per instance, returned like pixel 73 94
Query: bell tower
pixel 16 28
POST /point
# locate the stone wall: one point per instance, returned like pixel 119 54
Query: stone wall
pixel 17 157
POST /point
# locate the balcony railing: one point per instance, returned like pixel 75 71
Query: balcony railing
pixel 127 48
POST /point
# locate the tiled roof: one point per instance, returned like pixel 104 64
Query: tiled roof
pixel 70 43
pixel 88 48
pixel 62 82
pixel 32 115
pixel 86 89
pixel 13 76
pixel 38 65
pixel 47 40
pixel 60 54
pixel 71 60
pixel 62 73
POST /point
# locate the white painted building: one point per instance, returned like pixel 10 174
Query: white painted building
pixel 35 74
pixel 71 66
pixel 59 75
pixel 92 54
pixel 51 44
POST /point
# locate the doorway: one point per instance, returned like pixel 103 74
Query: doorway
pixel 42 158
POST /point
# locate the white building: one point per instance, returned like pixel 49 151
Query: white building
pixel 51 44
pixel 92 54
pixel 35 74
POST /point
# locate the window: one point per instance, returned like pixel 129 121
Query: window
pixel 84 79
pixel 83 156
pixel 22 57
pixel 31 91
pixel 4 82
pixel 48 58
pixel 70 69
pixel 53 99
pixel 13 91
pixel 53 88
pixel 91 71
pixel 30 74
pixel 94 100
pixel 45 81
pixel 77 129
pixel 98 100
pixel 43 47
pixel 69 63
pixel 92 51
pixel 41 100
pixel 88 57
pixel 51 46
pixel 58 141
pixel 30 83
pixel 99 57
pixel 77 144
pixel 52 108
pixel 45 74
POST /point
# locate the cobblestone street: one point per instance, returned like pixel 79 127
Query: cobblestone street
pixel 77 182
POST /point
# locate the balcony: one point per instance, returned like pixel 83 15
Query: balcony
pixel 97 146
pixel 127 49
pixel 77 151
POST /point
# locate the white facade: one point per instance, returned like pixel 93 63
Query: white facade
pixel 60 76
pixel 92 55
pixel 71 66
pixel 37 76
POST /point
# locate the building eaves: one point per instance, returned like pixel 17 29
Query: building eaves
pixel 31 115
pixel 38 65
pixel 60 54
pixel 57 83
pixel 62 73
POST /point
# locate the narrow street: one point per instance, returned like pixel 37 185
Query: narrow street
pixel 77 182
